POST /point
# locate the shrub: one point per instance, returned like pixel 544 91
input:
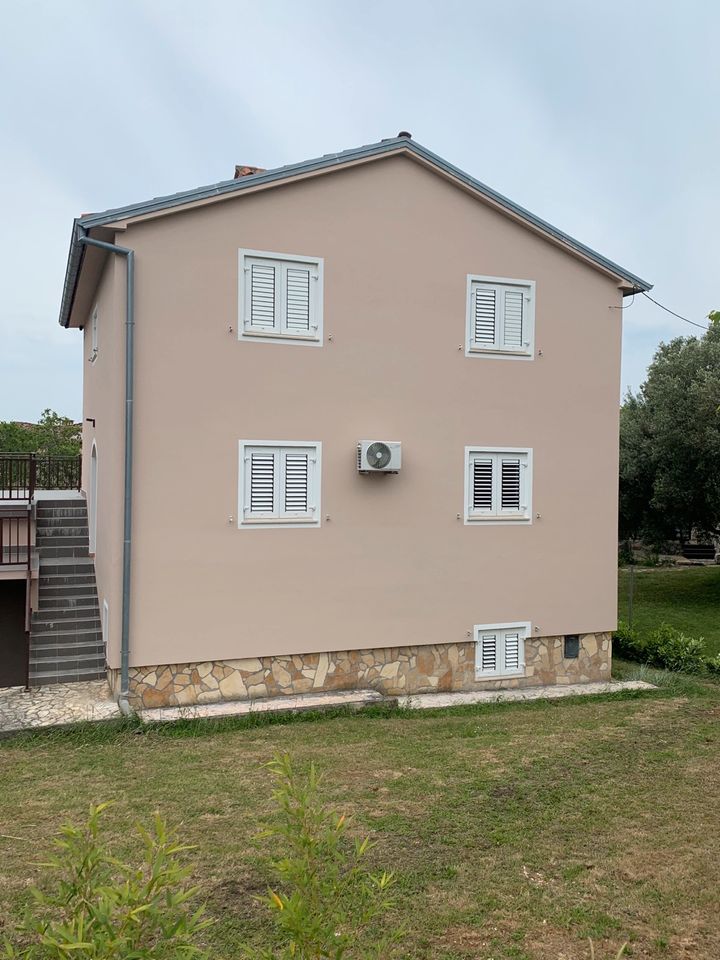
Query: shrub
pixel 103 909
pixel 665 647
pixel 328 905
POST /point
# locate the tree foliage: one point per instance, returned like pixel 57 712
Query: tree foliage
pixel 52 435
pixel 670 443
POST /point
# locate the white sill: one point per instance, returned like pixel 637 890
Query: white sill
pixel 498 518
pixel 269 335
pixel 280 522
pixel 499 676
pixel 499 351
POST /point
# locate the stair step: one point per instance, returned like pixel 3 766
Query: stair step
pixel 67 590
pixel 58 579
pixel 65 625
pixel 76 659
pixel 78 519
pixel 63 540
pixel 79 611
pixel 39 678
pixel 57 533
pixel 70 632
pixel 49 651
pixel 74 601
pixel 63 504
pixel 67 566
pixel 54 552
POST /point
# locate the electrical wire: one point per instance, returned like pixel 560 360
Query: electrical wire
pixel 672 312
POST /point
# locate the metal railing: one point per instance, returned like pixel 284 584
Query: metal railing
pixel 21 474
pixel 15 548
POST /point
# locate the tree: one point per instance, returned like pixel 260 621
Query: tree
pixel 670 443
pixel 52 435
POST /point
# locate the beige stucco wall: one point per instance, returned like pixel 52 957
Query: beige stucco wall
pixel 393 566
pixel 103 401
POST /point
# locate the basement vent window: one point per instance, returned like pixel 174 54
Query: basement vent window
pixel 500 650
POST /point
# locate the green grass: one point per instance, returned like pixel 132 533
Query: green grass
pixel 685 597
pixel 516 830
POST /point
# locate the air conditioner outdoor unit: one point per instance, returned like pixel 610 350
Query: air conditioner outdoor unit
pixel 379 456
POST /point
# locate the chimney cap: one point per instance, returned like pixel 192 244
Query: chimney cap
pixel 245 170
pixel 405 133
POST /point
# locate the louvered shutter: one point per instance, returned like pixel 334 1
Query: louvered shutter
pixel 484 319
pixel 482 484
pixel 512 652
pixel 487 660
pixel 513 307
pixel 510 485
pixel 262 313
pixel 261 483
pixel 297 300
pixel 297 483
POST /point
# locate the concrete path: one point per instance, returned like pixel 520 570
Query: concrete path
pixel 363 698
pixel 55 705
pixel 61 704
pixel 427 701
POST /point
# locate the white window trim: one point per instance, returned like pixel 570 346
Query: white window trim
pixel 499 353
pixel 316 300
pixel 523 627
pixel 93 335
pixel 501 519
pixel 267 523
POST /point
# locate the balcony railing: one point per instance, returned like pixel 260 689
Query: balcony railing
pixel 21 474
pixel 15 546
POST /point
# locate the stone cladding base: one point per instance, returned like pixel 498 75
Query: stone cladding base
pixel 436 668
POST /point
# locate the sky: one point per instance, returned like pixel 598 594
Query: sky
pixel 599 117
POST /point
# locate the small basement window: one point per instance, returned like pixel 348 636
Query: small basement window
pixel 280 297
pixel 498 484
pixel 279 484
pixel 500 317
pixel 500 650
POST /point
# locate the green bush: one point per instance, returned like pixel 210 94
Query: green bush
pixel 100 908
pixel 665 647
pixel 328 905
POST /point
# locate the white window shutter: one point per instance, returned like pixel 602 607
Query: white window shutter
pixel 261 483
pixel 484 319
pixel 513 310
pixel 482 484
pixel 512 652
pixel 488 653
pixel 510 485
pixel 263 283
pixel 297 483
pixel 297 300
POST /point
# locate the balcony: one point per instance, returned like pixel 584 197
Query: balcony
pixel 23 475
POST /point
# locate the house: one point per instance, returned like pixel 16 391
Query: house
pixel 349 423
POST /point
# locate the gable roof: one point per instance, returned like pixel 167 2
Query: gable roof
pixel 327 163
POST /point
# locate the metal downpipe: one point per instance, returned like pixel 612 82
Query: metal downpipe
pixel 123 698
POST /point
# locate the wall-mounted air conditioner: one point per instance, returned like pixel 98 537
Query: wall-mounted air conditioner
pixel 378 456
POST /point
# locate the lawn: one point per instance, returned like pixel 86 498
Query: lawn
pixel 685 597
pixel 516 830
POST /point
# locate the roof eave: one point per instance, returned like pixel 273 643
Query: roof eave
pixel 627 280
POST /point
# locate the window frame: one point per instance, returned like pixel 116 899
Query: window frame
pixel 498 351
pixel 497 517
pixel 246 332
pixel 523 628
pixel 279 519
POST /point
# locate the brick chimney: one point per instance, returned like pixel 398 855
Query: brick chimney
pixel 243 170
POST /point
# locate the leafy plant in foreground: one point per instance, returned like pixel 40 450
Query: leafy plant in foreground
pixel 328 905
pixel 103 909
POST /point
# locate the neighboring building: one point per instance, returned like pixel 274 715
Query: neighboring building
pixel 282 318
